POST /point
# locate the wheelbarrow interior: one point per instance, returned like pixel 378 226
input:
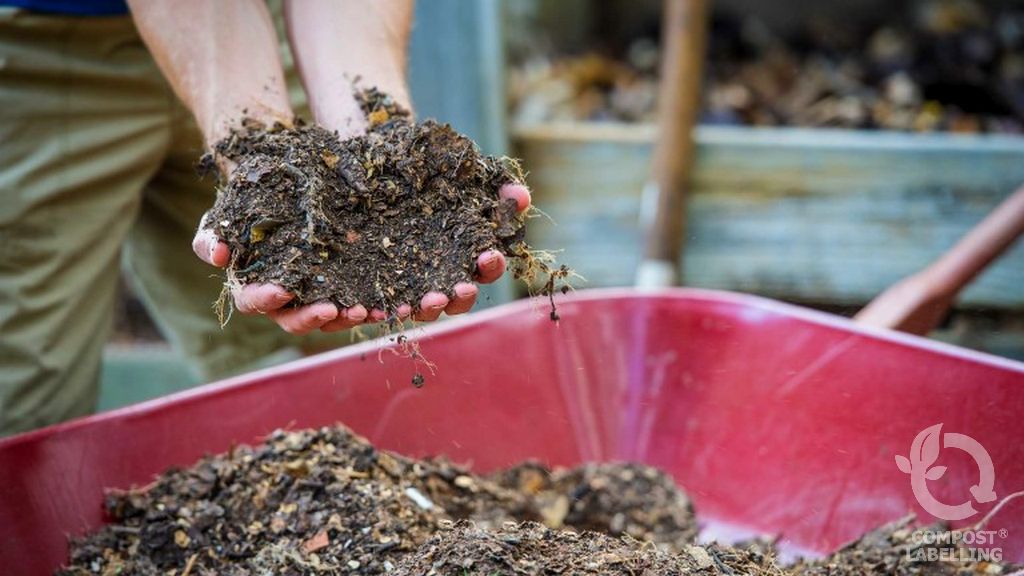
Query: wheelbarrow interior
pixel 775 419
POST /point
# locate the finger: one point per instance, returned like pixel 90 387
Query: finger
pixel 376 315
pixel 301 320
pixel 403 311
pixel 260 298
pixel 490 266
pixel 209 249
pixel 348 318
pixel 357 313
pixel 519 193
pixel 431 306
pixel 465 297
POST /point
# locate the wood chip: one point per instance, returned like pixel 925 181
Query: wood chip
pixel 319 541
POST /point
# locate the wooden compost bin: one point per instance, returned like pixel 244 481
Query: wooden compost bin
pixel 826 217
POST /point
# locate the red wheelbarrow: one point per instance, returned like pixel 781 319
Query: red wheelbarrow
pixel 776 419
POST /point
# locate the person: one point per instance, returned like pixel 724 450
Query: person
pixel 103 114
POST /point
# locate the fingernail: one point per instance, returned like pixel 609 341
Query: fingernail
pixel 465 291
pixel 490 260
pixel 213 250
pixel 282 297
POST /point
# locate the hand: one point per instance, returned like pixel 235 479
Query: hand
pixel 271 299
pixel 333 43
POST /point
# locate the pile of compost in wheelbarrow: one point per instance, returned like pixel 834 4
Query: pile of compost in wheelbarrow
pixel 327 502
pixel 379 219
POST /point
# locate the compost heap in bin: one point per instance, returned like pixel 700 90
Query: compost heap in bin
pixel 325 501
pixel 927 66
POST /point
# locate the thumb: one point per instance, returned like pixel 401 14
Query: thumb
pixel 208 247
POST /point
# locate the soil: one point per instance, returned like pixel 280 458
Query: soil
pixel 379 220
pixel 327 502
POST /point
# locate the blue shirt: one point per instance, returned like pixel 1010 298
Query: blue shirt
pixel 72 7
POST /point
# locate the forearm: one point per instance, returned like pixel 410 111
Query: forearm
pixel 335 41
pixel 220 57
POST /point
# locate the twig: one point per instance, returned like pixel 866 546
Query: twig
pixel 718 561
pixel 191 562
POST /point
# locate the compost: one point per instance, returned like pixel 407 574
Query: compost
pixel 379 220
pixel 532 548
pixel 617 499
pixel 326 501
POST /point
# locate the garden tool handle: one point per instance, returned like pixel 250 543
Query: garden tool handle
pixel 664 210
pixel 918 303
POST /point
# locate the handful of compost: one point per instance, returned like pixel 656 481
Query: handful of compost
pixel 399 221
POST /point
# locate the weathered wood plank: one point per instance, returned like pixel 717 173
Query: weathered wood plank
pixel 812 215
pixel 456 74
pixel 456 60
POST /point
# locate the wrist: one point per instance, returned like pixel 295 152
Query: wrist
pixel 217 124
pixel 333 101
pixel 335 108
pixel 336 43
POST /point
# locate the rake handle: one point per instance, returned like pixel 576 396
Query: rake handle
pixel 919 302
pixel 685 33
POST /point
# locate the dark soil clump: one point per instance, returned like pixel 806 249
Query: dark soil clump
pixel 379 220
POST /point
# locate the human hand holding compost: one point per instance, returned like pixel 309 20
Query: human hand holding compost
pixel 222 60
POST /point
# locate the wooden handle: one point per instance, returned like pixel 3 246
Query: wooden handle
pixel 918 303
pixel 983 244
pixel 685 37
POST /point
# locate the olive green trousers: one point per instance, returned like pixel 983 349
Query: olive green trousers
pixel 97 170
